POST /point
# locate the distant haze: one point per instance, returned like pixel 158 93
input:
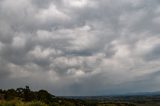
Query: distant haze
pixel 80 47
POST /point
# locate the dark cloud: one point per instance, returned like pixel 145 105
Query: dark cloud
pixel 80 47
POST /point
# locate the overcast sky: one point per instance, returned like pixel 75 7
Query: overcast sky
pixel 80 47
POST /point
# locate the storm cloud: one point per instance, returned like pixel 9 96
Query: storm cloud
pixel 80 47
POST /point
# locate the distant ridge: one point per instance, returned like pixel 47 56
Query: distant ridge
pixel 156 93
pixel 142 93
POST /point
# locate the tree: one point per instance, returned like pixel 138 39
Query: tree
pixel 44 96
pixel 1 94
pixel 10 94
pixel 27 93
pixel 20 92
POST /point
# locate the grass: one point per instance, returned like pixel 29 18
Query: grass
pixel 20 103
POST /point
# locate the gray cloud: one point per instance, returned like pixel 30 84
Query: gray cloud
pixel 80 47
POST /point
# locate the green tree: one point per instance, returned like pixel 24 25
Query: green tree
pixel 44 96
pixel 10 94
pixel 20 92
pixel 27 93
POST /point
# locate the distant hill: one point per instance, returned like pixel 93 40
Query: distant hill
pixel 141 94
pixel 127 96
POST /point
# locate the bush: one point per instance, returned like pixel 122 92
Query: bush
pixel 6 103
pixel 20 103
pixel 35 104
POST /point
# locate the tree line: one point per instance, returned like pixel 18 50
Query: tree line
pixel 25 94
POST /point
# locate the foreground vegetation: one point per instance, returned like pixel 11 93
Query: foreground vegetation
pixel 20 103
pixel 26 97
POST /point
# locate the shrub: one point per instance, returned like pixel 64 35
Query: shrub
pixel 35 103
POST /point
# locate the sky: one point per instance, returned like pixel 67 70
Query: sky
pixel 80 47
